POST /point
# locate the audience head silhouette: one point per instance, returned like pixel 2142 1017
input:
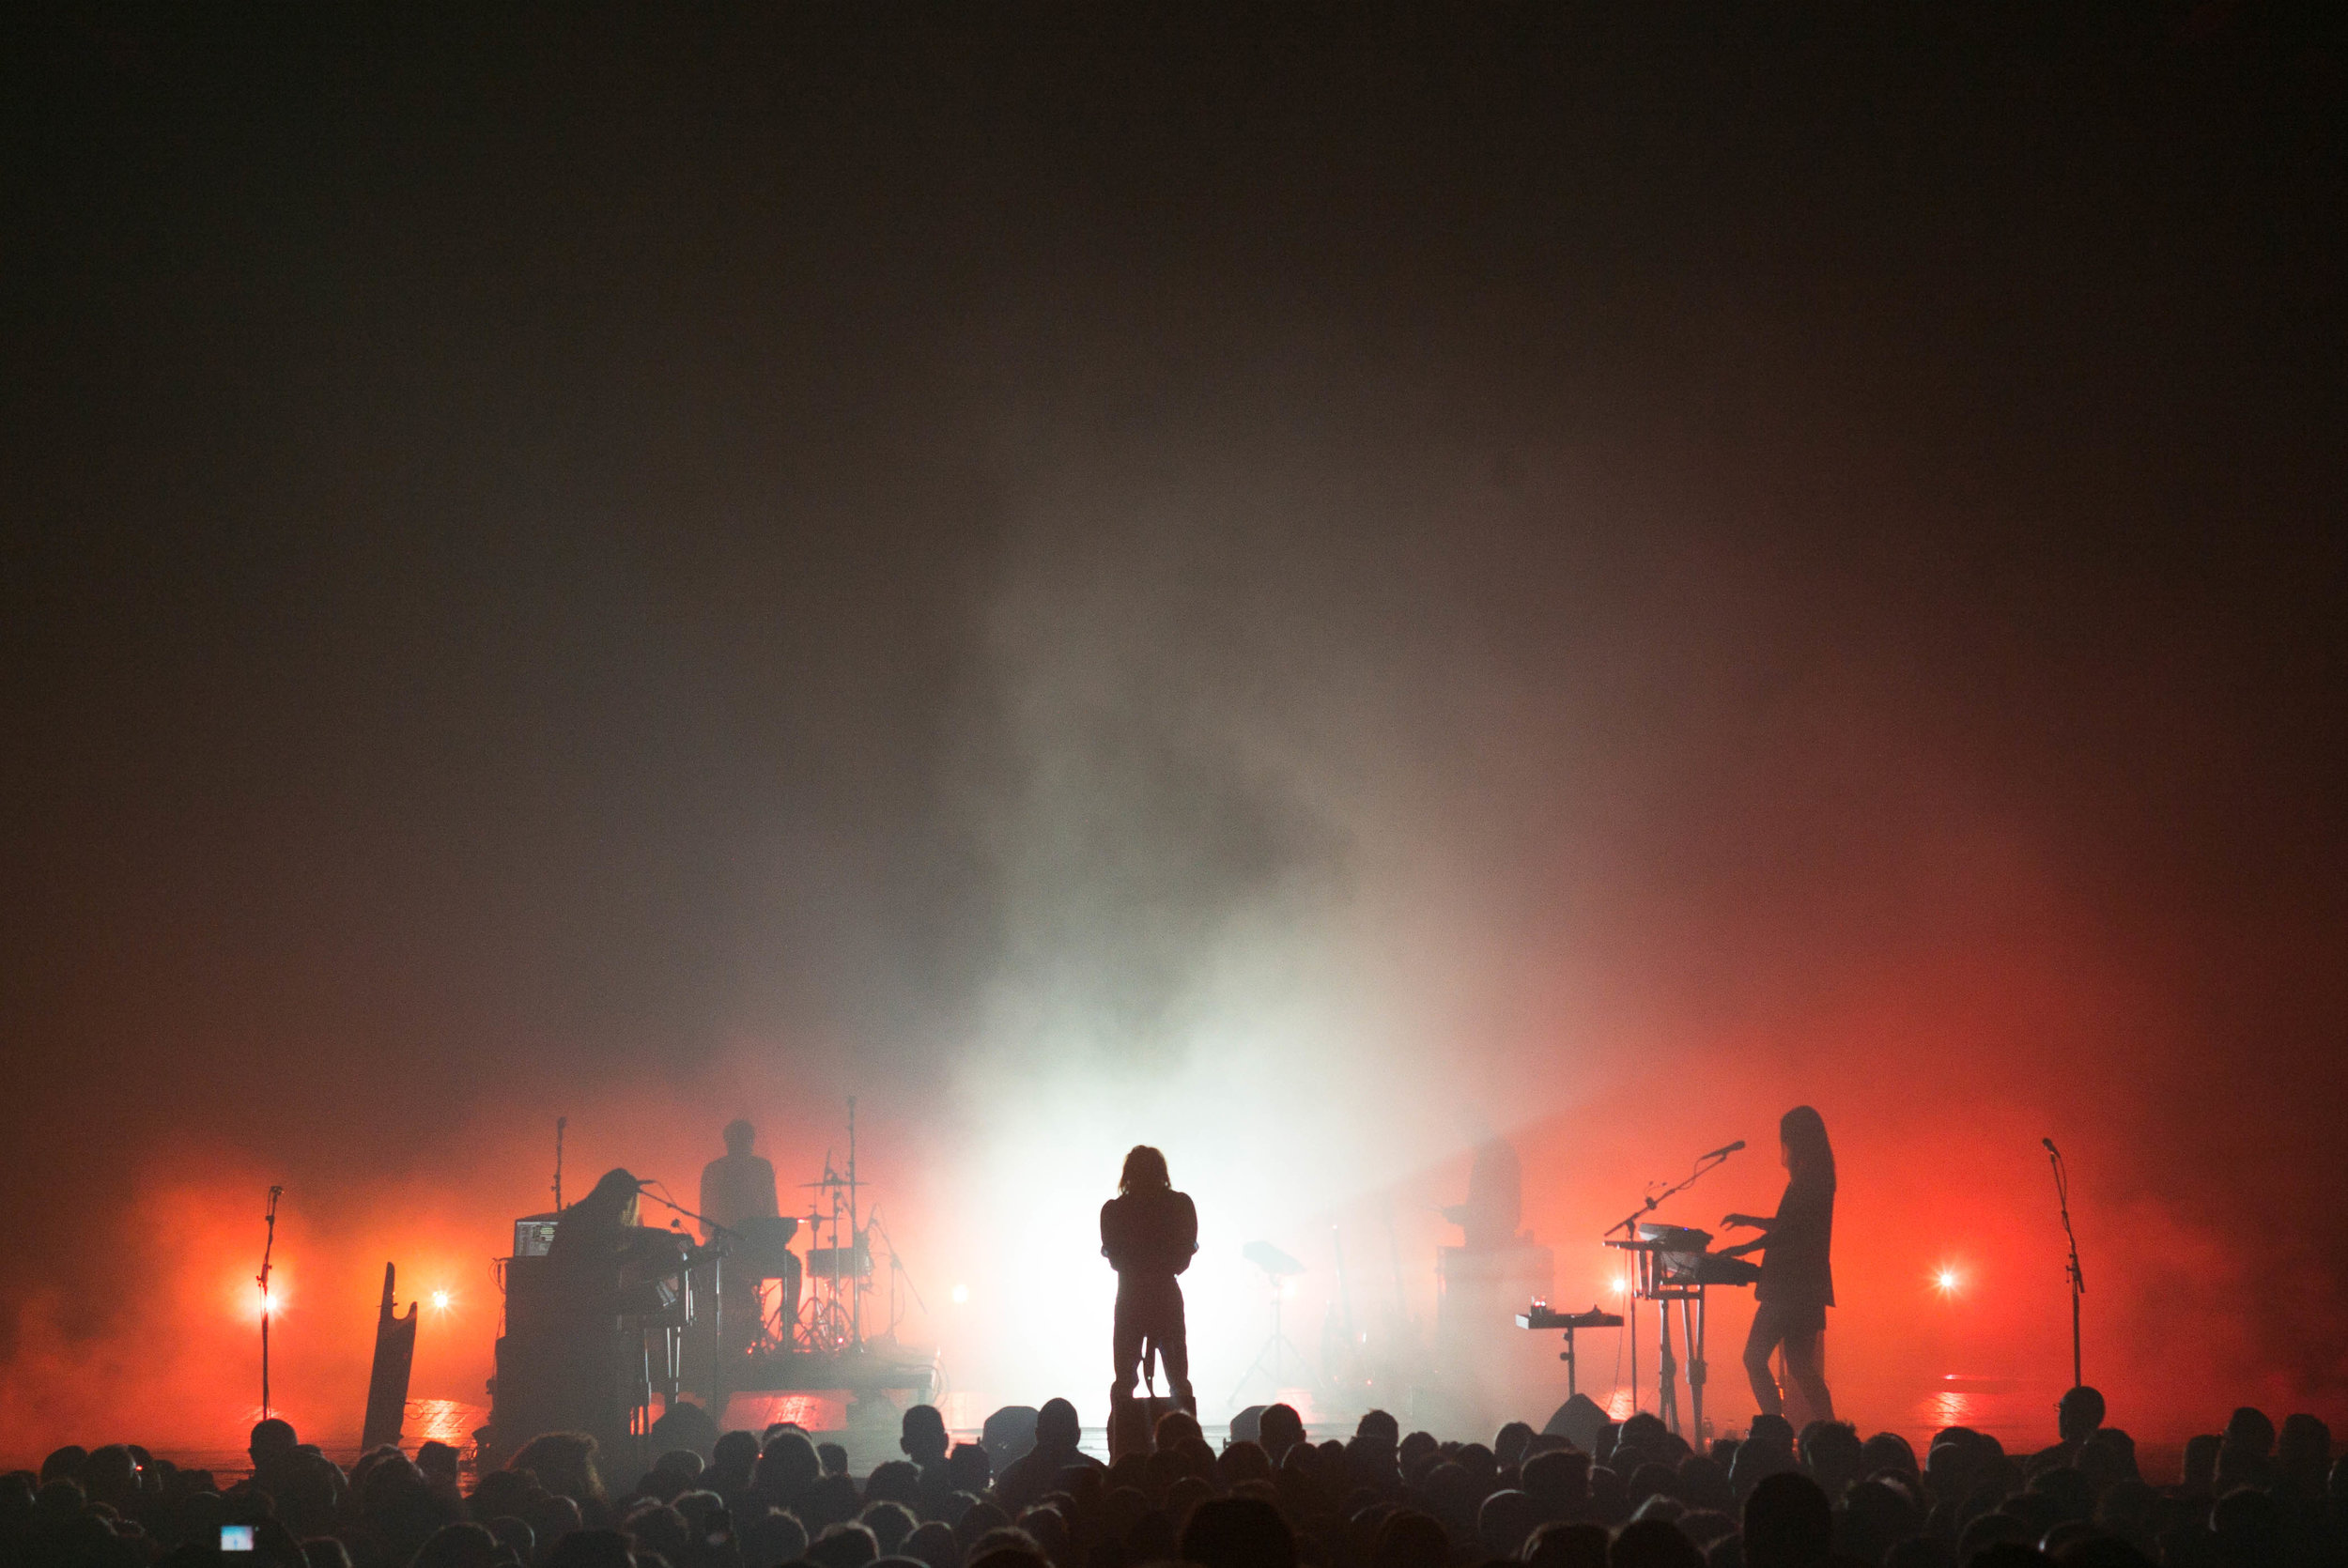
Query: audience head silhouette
pixel 2078 1413
pixel 1056 1425
pixel 1788 1523
pixel 922 1434
pixel 1238 1532
pixel 2258 1498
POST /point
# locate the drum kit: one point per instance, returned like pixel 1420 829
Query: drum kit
pixel 820 1306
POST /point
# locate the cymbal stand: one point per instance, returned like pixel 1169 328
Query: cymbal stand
pixel 898 1274
pixel 835 1316
pixel 826 1330
pixel 855 1245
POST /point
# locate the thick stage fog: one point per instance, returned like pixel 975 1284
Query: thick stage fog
pixel 1302 609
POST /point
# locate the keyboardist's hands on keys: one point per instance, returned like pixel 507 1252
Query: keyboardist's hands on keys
pixel 1732 1221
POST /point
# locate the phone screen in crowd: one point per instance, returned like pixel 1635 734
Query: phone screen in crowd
pixel 236 1538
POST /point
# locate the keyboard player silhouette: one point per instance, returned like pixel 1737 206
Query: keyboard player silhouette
pixel 1797 1277
pixel 607 1275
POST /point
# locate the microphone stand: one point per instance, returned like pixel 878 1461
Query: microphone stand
pixel 2078 1281
pixel 1704 1165
pixel 268 1247
pixel 897 1270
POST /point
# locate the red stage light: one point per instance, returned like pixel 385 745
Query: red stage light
pixel 253 1304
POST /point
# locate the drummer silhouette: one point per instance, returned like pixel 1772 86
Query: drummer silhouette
pixel 738 1185
pixel 737 1194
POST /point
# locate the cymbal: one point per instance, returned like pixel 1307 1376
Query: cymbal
pixel 828 1181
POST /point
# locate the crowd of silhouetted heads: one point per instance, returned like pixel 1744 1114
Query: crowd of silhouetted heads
pixel 1026 1495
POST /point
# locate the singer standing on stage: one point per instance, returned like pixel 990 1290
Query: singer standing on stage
pixel 1148 1232
pixel 1797 1279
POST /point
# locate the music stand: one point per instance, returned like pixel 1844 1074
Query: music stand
pixel 1270 1362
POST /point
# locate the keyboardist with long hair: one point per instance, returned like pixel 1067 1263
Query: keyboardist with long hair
pixel 1797 1282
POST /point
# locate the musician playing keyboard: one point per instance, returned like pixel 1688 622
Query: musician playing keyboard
pixel 1797 1279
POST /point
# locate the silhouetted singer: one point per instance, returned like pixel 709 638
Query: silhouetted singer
pixel 1149 1232
pixel 1797 1280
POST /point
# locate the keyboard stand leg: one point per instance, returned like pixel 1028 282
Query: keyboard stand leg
pixel 1667 1371
pixel 1691 1323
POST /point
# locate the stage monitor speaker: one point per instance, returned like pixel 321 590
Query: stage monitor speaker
pixel 1007 1435
pixel 1579 1421
pixel 1133 1423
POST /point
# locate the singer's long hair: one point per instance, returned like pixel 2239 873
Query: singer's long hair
pixel 1808 1155
pixel 610 1202
pixel 1145 1168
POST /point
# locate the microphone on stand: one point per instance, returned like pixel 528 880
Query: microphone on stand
pixel 1725 1150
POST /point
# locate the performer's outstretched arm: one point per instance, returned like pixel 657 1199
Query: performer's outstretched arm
pixel 1753 1221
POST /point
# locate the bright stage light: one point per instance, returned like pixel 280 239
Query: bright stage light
pixel 962 1295
pixel 250 1302
pixel 441 1300
pixel 1945 1281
